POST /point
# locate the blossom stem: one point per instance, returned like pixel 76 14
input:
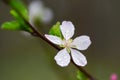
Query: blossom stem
pixel 85 72
pixel 40 35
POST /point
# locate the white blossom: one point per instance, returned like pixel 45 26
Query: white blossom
pixel 37 10
pixel 70 47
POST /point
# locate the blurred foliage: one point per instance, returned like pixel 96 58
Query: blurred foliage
pixel 19 6
pixel 13 25
pixel 19 12
pixel 81 76
pixel 23 58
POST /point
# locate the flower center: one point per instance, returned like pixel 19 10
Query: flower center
pixel 66 43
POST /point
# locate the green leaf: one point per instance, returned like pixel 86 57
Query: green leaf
pixel 55 30
pixel 19 6
pixel 21 21
pixel 20 13
pixel 81 76
pixel 13 25
pixel 16 15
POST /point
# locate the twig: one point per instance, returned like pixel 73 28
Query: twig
pixel 38 34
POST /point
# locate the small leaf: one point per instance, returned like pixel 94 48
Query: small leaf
pixel 81 76
pixel 24 26
pixel 13 25
pixel 19 6
pixel 16 15
pixel 20 13
pixel 55 30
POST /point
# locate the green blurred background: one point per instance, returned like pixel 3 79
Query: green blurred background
pixel 30 58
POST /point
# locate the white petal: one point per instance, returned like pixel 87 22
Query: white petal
pixel 78 58
pixel 62 58
pixel 35 10
pixel 54 39
pixel 67 29
pixel 48 15
pixel 81 42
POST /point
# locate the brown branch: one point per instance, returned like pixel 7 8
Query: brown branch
pixel 58 48
pixel 38 34
pixel 85 72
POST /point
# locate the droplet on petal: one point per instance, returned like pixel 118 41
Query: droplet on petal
pixel 81 42
pixel 78 58
pixel 67 29
pixel 62 58
pixel 54 39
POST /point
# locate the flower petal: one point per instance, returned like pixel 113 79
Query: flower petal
pixel 81 42
pixel 47 16
pixel 78 58
pixel 36 9
pixel 62 58
pixel 54 39
pixel 67 29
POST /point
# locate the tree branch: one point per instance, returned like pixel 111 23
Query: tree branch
pixel 38 34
